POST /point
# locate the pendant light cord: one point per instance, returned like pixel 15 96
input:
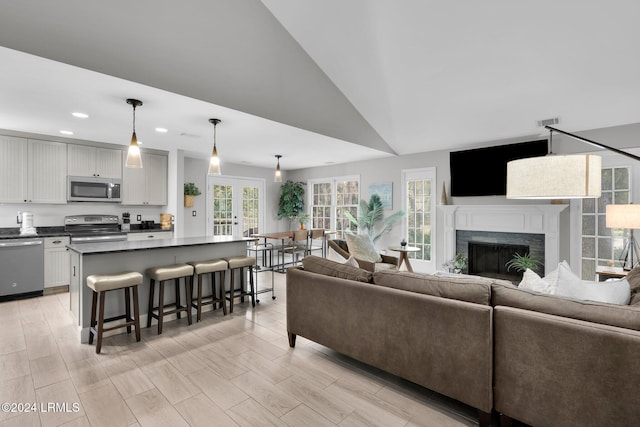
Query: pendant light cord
pixel 134 118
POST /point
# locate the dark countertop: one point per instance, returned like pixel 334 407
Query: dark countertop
pixel 110 247
pixel 14 232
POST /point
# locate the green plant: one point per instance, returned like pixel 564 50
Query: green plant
pixel 371 216
pixel 291 199
pixel 458 263
pixel 522 262
pixel 190 189
pixel 303 218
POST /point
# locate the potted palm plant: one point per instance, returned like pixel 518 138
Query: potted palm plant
pixel 190 191
pixel 371 219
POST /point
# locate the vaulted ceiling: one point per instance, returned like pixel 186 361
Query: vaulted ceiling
pixel 317 81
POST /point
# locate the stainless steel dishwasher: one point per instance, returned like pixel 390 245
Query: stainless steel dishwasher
pixel 21 268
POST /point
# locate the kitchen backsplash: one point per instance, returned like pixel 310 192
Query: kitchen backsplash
pixel 53 215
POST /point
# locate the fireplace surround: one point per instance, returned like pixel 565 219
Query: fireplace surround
pixel 542 220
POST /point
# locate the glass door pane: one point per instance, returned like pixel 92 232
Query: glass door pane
pixel 237 206
pixel 222 210
pixel 250 210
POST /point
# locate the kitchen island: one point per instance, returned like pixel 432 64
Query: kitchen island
pixel 115 257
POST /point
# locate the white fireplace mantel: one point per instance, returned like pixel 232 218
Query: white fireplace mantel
pixel 535 219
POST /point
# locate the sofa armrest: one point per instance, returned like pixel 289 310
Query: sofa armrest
pixel 553 370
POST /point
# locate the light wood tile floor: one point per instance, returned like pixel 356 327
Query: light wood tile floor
pixel 234 370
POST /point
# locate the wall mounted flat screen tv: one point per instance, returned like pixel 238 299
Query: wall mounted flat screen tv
pixel 483 171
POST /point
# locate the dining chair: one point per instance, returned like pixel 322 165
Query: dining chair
pixel 298 246
pixel 316 242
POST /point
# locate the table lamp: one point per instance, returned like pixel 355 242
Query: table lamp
pixel 625 216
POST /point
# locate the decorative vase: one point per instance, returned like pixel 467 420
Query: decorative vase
pixel 443 197
pixel 188 200
pixel 301 226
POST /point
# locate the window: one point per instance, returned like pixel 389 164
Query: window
pixel 330 198
pixel 419 201
pixel 599 243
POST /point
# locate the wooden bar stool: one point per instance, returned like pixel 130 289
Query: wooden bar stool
pixel 201 268
pixel 239 263
pixel 103 283
pixel 161 275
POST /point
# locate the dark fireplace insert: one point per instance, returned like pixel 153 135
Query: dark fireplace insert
pixel 490 259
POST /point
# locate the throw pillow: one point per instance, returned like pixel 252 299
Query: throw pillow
pixel 613 292
pixel 552 278
pixel 361 247
pixel 352 262
pixel 319 265
pixel 634 283
pixel 532 282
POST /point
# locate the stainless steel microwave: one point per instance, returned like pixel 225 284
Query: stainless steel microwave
pixel 94 189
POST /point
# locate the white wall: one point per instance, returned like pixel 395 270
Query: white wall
pixel 195 170
pixel 390 169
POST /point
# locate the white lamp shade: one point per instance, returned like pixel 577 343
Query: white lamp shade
pixel 554 177
pixel 623 216
pixel 134 160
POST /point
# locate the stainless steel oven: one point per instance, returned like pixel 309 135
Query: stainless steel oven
pixel 93 228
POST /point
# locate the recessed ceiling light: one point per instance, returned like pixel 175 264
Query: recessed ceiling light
pixel 161 130
pixel 79 115
pixel 66 132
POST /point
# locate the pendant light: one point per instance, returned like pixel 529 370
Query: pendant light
pixel 134 160
pixel 278 175
pixel 214 162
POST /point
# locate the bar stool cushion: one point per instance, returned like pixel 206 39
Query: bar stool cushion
pixel 168 272
pixel 109 282
pixel 211 266
pixel 241 261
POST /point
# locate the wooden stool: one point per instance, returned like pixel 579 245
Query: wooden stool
pixel 103 283
pixel 239 263
pixel 162 274
pixel 201 268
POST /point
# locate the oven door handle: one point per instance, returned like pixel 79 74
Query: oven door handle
pixel 13 244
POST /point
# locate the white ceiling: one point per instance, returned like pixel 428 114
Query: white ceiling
pixel 303 78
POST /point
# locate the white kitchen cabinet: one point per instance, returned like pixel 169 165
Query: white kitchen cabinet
pixel 150 235
pixel 146 186
pixel 56 261
pixel 32 171
pixel 85 160
pixel 13 169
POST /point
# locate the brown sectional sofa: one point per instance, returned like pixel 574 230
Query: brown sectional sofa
pixel 540 359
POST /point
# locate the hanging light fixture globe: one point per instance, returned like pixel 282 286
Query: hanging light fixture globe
pixel 214 162
pixel 278 175
pixel 134 159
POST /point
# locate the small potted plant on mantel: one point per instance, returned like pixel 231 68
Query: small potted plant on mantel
pixel 190 191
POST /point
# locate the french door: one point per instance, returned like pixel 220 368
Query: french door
pixel 235 206
pixel 418 195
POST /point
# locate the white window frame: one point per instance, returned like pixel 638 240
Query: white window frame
pixel 334 196
pixel 429 174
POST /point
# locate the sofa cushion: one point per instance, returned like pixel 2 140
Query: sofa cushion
pixel 570 285
pixel 463 288
pixel 328 267
pixel 361 247
pixel 608 314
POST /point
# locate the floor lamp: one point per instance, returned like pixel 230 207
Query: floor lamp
pixel 626 216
